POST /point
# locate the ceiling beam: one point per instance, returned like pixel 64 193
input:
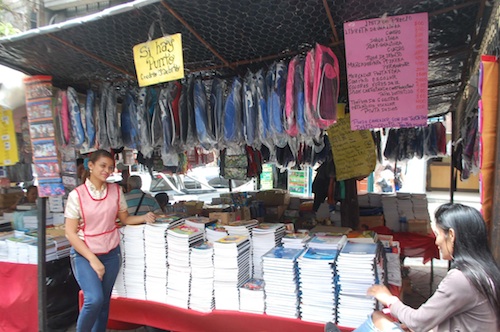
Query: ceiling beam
pixel 196 34
pixel 91 55
pixel 330 20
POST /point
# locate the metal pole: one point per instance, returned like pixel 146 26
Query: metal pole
pixel 42 271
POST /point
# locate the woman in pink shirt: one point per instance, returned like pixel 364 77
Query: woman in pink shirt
pixel 91 213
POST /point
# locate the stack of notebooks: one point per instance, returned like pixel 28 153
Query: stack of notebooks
pixel 62 246
pixel 155 240
pixel 420 207
pixel 405 205
pixel 180 239
pixel 252 298
pixel 3 245
pixel 295 240
pixel 202 277
pixel 232 270
pixel 265 237
pixel 199 222
pixel 134 264
pixel 119 286
pixel 356 268
pixel 215 232
pixel 281 282
pixel 5 225
pixel 242 227
pixel 391 214
pixel 317 283
pixel 327 242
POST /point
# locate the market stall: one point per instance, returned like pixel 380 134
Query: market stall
pixel 211 83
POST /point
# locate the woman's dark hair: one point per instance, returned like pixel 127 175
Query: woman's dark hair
pixel 94 156
pixel 471 253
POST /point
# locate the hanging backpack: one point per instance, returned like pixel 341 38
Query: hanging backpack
pixel 326 86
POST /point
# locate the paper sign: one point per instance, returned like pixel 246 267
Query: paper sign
pixel 298 182
pixel 387 60
pixel 353 150
pixel 8 143
pixel 160 60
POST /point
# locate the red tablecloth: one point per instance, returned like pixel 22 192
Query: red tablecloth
pixel 413 244
pixel 18 297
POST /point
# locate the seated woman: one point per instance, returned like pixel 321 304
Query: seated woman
pixel 29 197
pixel 467 299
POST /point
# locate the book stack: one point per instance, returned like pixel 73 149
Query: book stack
pixel 134 264
pixel 62 246
pixel 4 253
pixel 202 277
pixel 180 239
pixel 241 227
pixel 215 232
pixel 281 282
pixel 232 270
pixel 391 214
pixel 17 249
pixel 155 248
pixel 252 297
pixel 119 286
pixel 295 240
pixel 356 268
pixel 5 225
pixel 199 222
pixel 265 237
pixel 317 284
pixel 405 205
pixel 50 251
pixel 420 207
pixel 327 242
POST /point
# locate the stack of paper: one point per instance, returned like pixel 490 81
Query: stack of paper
pixel 62 246
pixel 232 270
pixel 327 242
pixel 405 206
pixel 295 240
pixel 202 278
pixel 391 214
pixel 356 268
pixel 420 207
pixel 199 222
pixel 242 227
pixel 265 237
pixel 375 199
pixel 281 282
pixel 3 245
pixel 317 284
pixel 134 261
pixel 252 296
pixel 119 286
pixel 180 239
pixel 215 232
pixel 155 240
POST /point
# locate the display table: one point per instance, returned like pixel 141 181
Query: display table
pixel 19 297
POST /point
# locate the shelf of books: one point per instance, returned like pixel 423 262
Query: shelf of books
pixel 193 275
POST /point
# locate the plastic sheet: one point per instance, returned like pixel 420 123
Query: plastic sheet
pixel 217 108
pixel 108 109
pixel 156 125
pixel 291 127
pixel 165 101
pixel 312 130
pixel 89 117
pixel 277 111
pixel 192 137
pixel 264 127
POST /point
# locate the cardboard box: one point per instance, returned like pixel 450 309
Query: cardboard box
pixel 418 226
pixel 294 203
pixel 7 200
pixel 275 212
pixel 371 221
pixel 223 217
pixel 274 197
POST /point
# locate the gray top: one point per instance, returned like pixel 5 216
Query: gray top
pixel 455 306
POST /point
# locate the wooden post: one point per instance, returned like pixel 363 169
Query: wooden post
pixel 495 215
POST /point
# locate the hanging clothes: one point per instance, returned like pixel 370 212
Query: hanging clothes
pixel 144 124
pixel 312 129
pixel 156 125
pixel 129 124
pixel 62 118
pixel 291 112
pixel 250 110
pixel 78 132
pixel 167 119
pixel 264 126
pixel 205 136
pixel 110 117
pixel 192 137
pixel 233 131
pixel 217 109
pixel 89 117
pixel 326 86
pixel 183 118
pixel 277 111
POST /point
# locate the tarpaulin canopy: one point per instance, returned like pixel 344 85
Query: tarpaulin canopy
pixel 225 37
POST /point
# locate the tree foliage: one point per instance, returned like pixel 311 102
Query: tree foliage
pixel 6 28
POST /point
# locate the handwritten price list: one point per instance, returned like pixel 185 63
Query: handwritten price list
pixel 387 71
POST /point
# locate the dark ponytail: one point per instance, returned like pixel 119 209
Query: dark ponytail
pixel 471 253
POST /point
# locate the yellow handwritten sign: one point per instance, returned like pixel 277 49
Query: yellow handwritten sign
pixel 160 60
pixel 8 141
pixel 353 150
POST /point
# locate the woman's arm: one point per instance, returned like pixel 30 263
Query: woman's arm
pixel 71 230
pixel 127 219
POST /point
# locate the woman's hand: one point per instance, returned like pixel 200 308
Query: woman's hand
pixel 149 218
pixel 98 267
pixel 382 294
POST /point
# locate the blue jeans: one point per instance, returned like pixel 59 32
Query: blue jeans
pixel 95 310
pixel 369 326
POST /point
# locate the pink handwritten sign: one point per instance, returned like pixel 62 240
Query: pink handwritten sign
pixel 387 60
